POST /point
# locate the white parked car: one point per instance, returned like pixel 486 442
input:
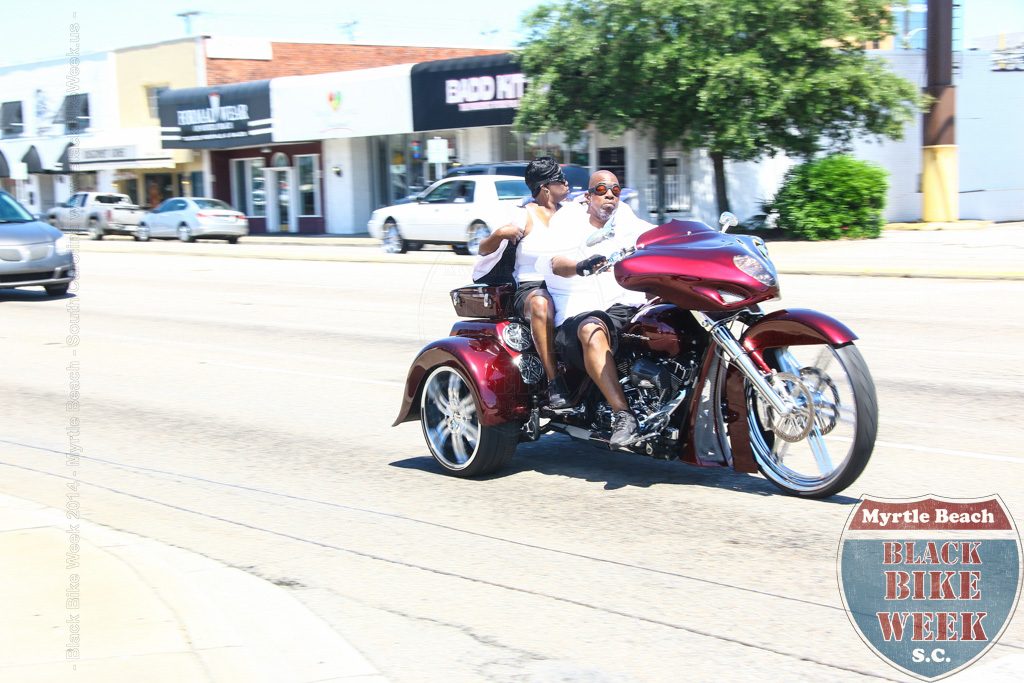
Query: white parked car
pixel 459 211
pixel 190 217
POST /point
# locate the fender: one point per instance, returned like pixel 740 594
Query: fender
pixel 489 368
pixel 793 327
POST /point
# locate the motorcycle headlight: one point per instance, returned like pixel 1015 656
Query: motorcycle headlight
pixel 62 245
pixel 755 269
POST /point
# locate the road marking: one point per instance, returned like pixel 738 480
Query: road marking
pixel 949 451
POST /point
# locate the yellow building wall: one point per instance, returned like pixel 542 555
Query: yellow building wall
pixel 171 65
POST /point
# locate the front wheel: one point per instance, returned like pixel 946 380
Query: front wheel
pixel 185 233
pixel 450 417
pixel 142 233
pixel 825 443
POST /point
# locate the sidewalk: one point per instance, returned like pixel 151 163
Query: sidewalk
pixel 137 610
pixel 994 252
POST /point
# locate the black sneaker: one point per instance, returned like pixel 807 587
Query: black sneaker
pixel 624 427
pixel 558 394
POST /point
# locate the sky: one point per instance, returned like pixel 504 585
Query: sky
pixel 37 31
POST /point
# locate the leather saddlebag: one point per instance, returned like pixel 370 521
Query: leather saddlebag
pixel 483 301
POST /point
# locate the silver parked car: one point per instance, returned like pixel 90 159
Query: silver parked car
pixel 32 253
pixel 188 218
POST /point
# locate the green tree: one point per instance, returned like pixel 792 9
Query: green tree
pixel 740 78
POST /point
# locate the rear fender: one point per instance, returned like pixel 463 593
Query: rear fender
pixel 495 379
pixel 793 327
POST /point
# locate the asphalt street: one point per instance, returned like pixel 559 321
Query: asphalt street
pixel 241 409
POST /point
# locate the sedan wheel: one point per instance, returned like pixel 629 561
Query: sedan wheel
pixel 142 233
pixel 392 241
pixel 450 416
pixel 478 232
pixel 185 233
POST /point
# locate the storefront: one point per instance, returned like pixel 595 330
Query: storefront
pixel 231 127
pixel 132 162
pixel 361 122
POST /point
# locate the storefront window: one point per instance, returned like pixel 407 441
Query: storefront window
pixel 309 188
pixel 259 197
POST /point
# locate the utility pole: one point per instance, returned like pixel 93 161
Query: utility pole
pixel 187 16
pixel 940 182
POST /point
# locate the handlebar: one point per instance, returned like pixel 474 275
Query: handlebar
pixel 612 259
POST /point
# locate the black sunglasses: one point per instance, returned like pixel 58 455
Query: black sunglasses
pixel 602 188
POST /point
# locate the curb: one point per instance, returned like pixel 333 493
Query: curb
pixel 939 225
pixel 435 258
pixel 150 611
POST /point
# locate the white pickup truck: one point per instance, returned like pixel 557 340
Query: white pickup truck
pixel 98 214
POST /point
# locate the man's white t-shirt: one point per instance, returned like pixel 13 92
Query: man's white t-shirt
pixel 567 236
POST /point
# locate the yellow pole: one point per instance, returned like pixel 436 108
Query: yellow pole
pixel 940 184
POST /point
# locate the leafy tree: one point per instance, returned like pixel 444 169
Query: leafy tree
pixel 741 78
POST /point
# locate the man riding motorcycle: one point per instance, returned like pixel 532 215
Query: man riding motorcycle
pixel 590 311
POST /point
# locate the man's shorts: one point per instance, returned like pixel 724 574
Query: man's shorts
pixel 567 341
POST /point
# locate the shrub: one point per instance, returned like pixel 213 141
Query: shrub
pixel 836 196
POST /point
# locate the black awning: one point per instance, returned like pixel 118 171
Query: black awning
pixel 216 117
pixel 11 123
pixel 62 160
pixel 73 109
pixel 5 170
pixel 32 161
pixel 466 92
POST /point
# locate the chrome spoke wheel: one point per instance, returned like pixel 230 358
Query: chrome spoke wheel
pixel 823 445
pixel 477 234
pixel 450 418
pixel 392 241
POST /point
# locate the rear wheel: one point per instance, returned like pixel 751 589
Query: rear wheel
pixel 233 240
pixel 185 233
pixel 450 417
pixel 478 232
pixel 391 239
pixel 825 443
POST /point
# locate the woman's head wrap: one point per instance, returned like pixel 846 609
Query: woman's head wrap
pixel 541 171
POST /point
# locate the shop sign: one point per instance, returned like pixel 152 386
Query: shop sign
pixel 234 115
pixel 98 154
pixel 466 92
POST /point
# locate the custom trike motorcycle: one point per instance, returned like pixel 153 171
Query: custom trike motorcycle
pixel 712 379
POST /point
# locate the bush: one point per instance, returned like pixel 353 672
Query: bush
pixel 836 196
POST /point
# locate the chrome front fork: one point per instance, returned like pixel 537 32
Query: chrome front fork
pixel 735 354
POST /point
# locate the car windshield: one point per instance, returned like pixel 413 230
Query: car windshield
pixel 11 211
pixel 211 204
pixel 511 189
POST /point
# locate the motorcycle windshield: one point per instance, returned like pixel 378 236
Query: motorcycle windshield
pixel 693 266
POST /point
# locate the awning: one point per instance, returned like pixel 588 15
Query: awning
pixel 47 156
pixel 5 170
pixel 32 160
pixel 466 92
pixel 218 117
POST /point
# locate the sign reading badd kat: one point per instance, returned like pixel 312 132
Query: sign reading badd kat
pixel 930 583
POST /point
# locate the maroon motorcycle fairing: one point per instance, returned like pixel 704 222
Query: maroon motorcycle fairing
pixel 687 263
pixel 487 364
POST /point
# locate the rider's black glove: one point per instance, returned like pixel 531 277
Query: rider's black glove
pixel 588 265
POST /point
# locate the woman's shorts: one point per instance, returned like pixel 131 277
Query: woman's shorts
pixel 567 341
pixel 523 291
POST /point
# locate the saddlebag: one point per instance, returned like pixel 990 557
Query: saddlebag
pixel 484 301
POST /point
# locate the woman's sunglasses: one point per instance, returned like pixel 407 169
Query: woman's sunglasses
pixel 602 188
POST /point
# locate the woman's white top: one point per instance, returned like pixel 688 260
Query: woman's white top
pixel 529 249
